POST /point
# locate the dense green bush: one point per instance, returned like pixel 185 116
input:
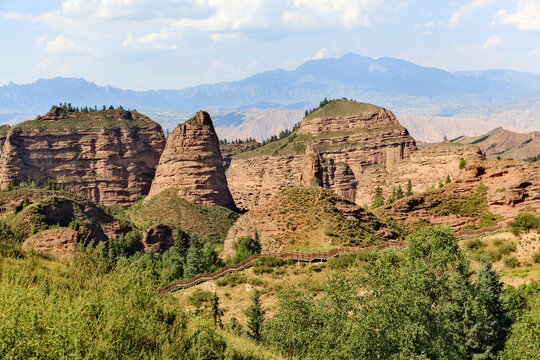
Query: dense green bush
pixel 423 305
pixel 525 222
pixel 85 309
pixel 524 340
pixel 245 247
pixel 511 261
pixel 232 279
pixel 536 256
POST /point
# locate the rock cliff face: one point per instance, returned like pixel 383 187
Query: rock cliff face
pixel 192 162
pixel 485 194
pixel 426 168
pixel 349 140
pixel 110 156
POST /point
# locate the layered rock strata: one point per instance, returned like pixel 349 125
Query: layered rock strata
pixel 349 140
pixel 192 162
pixel 109 156
pixel 492 190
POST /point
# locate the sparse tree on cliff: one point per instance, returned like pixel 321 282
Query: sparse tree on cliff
pixel 409 188
pixel 378 200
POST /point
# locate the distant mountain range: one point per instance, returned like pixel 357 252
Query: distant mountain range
pixel 505 144
pixel 265 103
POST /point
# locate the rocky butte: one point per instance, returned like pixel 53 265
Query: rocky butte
pixel 350 148
pixel 342 146
pixel 110 155
pixel 192 163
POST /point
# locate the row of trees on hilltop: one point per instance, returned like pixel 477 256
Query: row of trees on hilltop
pixel 323 103
pixel 87 109
pixel 282 135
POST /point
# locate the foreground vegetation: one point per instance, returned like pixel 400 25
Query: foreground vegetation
pixel 87 309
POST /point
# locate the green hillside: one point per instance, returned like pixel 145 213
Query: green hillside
pixel 209 222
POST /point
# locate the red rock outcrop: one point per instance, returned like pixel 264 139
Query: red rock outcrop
pixel 192 162
pixel 58 243
pixel 510 187
pixel 351 140
pixel 110 156
pixel 158 239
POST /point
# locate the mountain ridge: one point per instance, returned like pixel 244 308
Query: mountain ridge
pixel 506 97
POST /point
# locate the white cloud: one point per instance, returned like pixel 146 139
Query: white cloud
pixel 229 19
pixel 429 24
pixel 136 9
pixel 466 9
pixel 63 46
pixel 526 17
pixel 492 42
pixel 535 52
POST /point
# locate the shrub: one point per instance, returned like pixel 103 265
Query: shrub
pixel 341 262
pixel 269 261
pixel 506 247
pixel 536 256
pixel 262 269
pixel 474 244
pixel 246 247
pixel 524 222
pixel 511 261
pixel 232 279
pixel 462 164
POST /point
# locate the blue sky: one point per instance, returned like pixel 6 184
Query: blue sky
pixel 165 44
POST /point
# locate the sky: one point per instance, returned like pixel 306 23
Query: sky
pixel 173 44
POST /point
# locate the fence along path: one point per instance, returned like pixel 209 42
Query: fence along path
pixel 297 256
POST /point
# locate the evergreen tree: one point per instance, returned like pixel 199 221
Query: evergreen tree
pixel 181 243
pixel 378 200
pixel 492 322
pixel 399 193
pixel 216 311
pixel 255 315
pixel 194 258
pixel 409 188
pixel 448 180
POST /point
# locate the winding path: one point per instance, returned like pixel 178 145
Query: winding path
pixel 297 256
pixel 309 257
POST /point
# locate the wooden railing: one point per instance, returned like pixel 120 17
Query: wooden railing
pixel 465 234
pixel 297 256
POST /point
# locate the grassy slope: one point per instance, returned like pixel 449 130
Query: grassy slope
pixel 472 208
pixel 24 209
pixel 503 246
pixel 96 120
pixel 310 221
pixel 234 290
pixel 342 108
pixel 209 222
